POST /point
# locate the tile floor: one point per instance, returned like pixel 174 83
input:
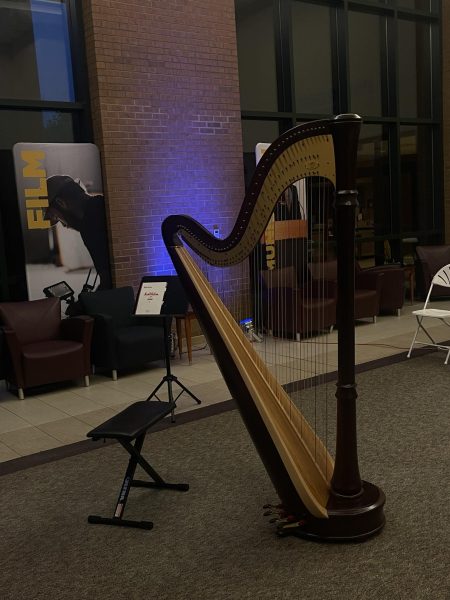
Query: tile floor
pixel 49 419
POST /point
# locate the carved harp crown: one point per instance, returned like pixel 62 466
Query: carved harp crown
pixel 327 498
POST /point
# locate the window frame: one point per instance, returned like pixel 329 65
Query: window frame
pixel 288 116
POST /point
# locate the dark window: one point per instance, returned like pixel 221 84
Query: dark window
pixel 428 5
pixel 35 126
pixel 382 61
pixel 374 218
pixel 311 39
pixel 416 178
pixel 256 54
pixel 366 35
pixel 414 68
pixel 35 61
pixel 373 179
pixel 255 132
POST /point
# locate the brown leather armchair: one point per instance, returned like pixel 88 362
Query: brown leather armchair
pixel 43 348
pixel 290 310
pixel 368 287
pixel 392 295
pixel 431 259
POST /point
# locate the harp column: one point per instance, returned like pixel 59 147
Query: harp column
pixel 346 480
pixel 355 507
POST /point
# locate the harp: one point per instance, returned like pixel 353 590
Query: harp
pixel 325 497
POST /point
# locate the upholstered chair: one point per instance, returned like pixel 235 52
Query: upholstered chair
pixel 121 341
pixel 42 347
pixel 368 287
pixel 431 259
pixel 392 294
pixel 292 310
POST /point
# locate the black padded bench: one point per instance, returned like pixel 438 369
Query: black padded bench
pixel 128 425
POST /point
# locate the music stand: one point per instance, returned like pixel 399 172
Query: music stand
pixel 163 297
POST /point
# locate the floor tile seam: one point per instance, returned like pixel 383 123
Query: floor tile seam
pixel 118 390
pixel 46 432
pixel 83 415
pixel 98 406
pixel 121 386
pixel 12 412
pixel 85 396
pixel 9 447
pixel 43 431
pixel 32 424
pixel 24 429
pixel 63 410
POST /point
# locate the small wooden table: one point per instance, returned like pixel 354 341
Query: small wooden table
pixel 187 331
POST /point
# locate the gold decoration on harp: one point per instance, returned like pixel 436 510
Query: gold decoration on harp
pixel 312 157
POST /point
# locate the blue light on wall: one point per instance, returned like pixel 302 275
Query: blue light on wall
pixel 191 180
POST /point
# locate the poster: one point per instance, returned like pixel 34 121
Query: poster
pixel 62 209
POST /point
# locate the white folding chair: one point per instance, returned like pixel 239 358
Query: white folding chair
pixel 442 278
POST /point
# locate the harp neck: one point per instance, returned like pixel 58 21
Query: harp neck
pixel 314 149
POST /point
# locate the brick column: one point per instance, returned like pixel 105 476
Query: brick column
pixel 166 112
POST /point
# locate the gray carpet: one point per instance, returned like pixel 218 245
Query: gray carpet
pixel 213 542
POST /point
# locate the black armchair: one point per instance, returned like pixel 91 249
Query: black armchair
pixel 121 341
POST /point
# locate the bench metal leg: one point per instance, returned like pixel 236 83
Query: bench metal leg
pixel 96 520
pixel 129 481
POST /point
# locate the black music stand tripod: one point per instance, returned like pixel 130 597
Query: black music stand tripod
pixel 167 288
pixel 169 378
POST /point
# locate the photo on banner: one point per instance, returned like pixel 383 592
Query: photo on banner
pixel 63 218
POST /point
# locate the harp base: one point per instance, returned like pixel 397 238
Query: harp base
pixel 350 519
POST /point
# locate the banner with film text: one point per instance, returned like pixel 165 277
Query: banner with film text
pixel 62 210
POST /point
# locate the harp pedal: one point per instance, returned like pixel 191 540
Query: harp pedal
pixel 278 515
pixel 290 527
pixel 286 524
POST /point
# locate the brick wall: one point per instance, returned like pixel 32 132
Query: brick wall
pixel 446 108
pixel 166 112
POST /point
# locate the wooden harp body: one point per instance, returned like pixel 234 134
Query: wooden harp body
pixel 325 497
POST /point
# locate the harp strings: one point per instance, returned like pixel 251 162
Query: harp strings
pixel 290 305
pixel 245 350
pixel 307 469
pixel 293 346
